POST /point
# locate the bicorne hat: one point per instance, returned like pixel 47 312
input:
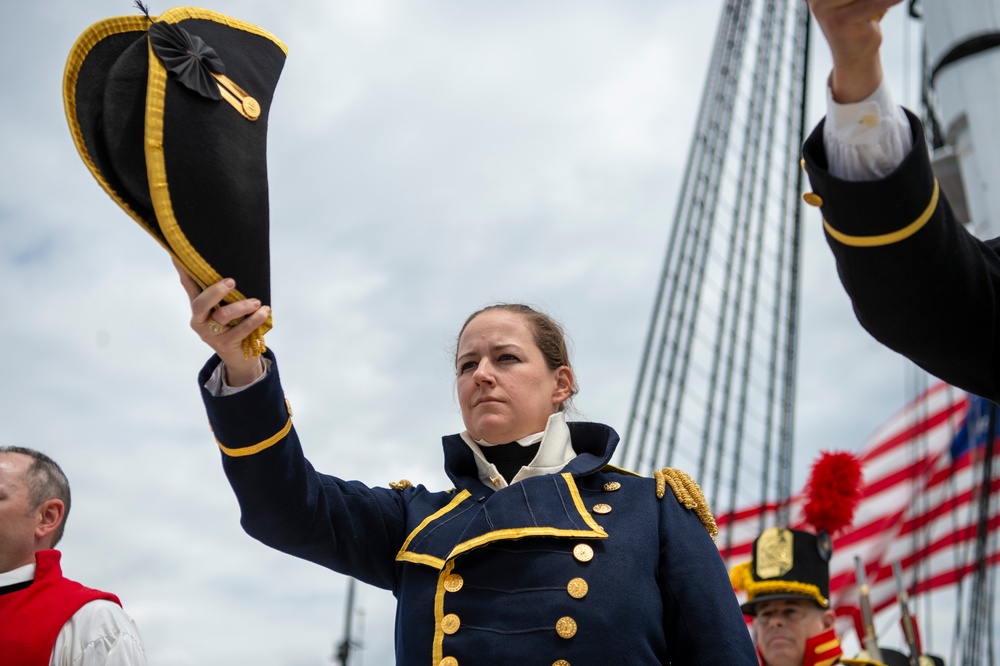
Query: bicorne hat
pixel 169 113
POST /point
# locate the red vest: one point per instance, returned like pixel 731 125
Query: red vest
pixel 30 619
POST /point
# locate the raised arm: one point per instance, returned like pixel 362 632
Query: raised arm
pixel 918 281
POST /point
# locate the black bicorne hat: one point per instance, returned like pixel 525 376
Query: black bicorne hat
pixel 170 113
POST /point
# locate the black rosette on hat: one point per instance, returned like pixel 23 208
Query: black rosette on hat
pixel 169 113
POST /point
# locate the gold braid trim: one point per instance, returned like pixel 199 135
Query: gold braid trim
pixel 786 586
pixel 403 484
pixel 688 493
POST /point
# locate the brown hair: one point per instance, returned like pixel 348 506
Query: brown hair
pixel 548 335
pixel 45 481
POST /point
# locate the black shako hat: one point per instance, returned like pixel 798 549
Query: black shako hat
pixel 169 113
pixel 788 564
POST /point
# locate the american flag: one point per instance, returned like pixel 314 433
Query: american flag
pixel 923 475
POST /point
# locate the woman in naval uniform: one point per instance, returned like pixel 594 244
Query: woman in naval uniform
pixel 542 553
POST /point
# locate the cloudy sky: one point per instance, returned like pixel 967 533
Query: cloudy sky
pixel 425 159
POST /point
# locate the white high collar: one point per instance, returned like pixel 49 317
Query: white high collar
pixel 555 452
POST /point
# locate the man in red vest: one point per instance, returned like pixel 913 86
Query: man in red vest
pixel 45 619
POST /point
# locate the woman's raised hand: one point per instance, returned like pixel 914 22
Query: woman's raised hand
pixel 211 325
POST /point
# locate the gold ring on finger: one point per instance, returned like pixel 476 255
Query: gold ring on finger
pixel 215 327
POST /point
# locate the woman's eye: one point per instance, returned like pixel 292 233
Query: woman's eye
pixel 468 365
pixel 507 357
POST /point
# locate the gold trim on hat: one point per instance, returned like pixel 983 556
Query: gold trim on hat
pixel 769 587
pixel 90 38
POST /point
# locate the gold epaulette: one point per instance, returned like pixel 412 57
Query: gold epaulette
pixel 402 484
pixel 688 493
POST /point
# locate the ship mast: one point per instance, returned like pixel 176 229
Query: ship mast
pixel 718 366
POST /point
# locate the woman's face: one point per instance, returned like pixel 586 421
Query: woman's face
pixel 505 389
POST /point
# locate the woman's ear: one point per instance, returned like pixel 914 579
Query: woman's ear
pixel 564 385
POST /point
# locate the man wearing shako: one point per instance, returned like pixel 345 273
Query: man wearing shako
pixel 787 581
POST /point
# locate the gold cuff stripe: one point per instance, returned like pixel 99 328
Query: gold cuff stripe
pixel 890 238
pixel 257 448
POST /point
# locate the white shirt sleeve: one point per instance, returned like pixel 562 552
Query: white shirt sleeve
pixel 100 633
pixel 866 140
pixel 217 386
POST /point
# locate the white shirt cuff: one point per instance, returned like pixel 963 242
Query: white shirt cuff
pixel 217 386
pixel 866 140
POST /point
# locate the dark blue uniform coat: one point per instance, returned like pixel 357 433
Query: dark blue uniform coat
pixel 530 574
pixel 919 282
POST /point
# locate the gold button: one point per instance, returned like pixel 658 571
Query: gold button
pixel 288 407
pixel 251 107
pixel 583 553
pixel 602 508
pixel 812 199
pixel 454 583
pixel 611 486
pixel 450 623
pixel 566 627
pixel 869 120
pixel 561 662
pixel 495 480
pixel 577 588
pixel 448 661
